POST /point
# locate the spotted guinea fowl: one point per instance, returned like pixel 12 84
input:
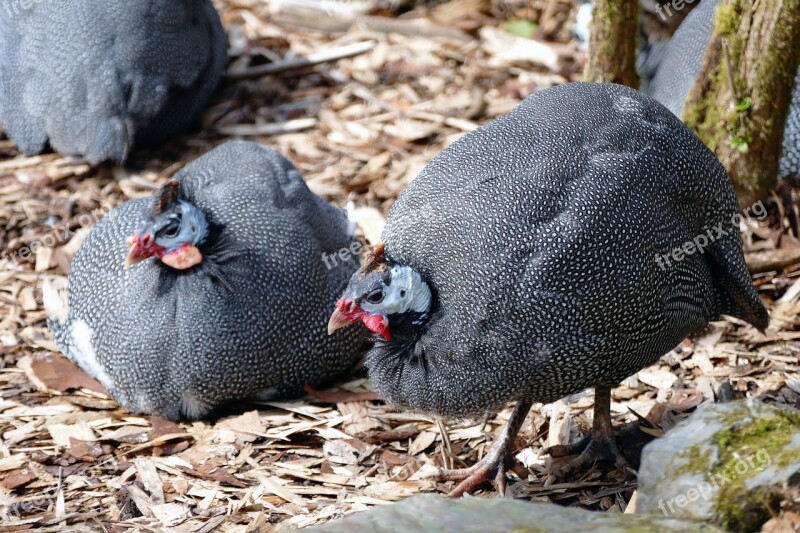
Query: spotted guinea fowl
pixel 214 290
pixel 681 62
pixel 547 252
pixel 94 77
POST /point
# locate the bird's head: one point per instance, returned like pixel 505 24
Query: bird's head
pixel 171 232
pixel 380 294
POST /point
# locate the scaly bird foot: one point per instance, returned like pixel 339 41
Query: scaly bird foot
pixel 589 450
pixel 600 445
pixel 494 463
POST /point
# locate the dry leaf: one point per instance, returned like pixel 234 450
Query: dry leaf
pixel 656 377
pixel 58 373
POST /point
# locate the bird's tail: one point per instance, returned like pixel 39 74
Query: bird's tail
pixel 735 292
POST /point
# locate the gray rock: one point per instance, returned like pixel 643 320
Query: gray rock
pixel 495 515
pixel 723 464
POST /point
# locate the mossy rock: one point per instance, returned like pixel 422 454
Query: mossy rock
pixel 497 515
pixel 722 465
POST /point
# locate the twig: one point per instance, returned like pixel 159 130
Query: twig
pixel 729 67
pixel 275 128
pixel 447 448
pixel 294 63
pixel 457 123
pixel 758 262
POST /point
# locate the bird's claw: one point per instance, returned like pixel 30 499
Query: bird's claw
pixel 476 475
pixel 494 463
pixel 589 450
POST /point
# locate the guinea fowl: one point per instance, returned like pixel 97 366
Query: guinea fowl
pixel 94 77
pixel 213 290
pixel 545 253
pixel 681 63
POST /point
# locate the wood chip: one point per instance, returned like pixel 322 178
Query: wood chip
pixel 62 433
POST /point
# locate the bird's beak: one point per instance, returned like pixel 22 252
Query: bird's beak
pixel 137 253
pixel 347 312
pixel 340 319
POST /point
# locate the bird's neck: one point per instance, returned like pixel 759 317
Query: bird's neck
pixel 406 329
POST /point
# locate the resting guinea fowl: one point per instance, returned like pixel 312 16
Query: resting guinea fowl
pixel 94 77
pixel 530 260
pixel 213 290
pixel 681 62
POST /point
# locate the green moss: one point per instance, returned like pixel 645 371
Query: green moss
pixel 769 433
pixel 711 121
pixel 741 143
pixel 743 121
pixel 747 512
pixel 757 444
pixel 697 461
pixel 727 18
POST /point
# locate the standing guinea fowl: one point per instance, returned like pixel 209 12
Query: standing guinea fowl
pixel 547 252
pixel 94 77
pixel 681 62
pixel 213 290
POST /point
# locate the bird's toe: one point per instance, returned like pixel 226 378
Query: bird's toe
pixel 589 450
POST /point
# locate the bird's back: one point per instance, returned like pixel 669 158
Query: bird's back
pixel 540 234
pixel 94 77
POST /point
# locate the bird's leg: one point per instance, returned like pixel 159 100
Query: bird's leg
pixel 599 445
pixel 494 462
pixel 784 192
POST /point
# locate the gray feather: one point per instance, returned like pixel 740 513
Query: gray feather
pixel 93 78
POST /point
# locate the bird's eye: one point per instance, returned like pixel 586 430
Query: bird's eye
pixel 171 231
pixel 375 297
pixel 402 294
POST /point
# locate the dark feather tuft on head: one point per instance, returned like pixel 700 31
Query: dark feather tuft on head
pixel 375 261
pixel 166 195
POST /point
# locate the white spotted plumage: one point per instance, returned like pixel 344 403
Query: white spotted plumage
pixel 540 253
pixel 250 318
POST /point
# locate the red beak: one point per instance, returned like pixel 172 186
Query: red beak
pixel 141 248
pixel 137 252
pixel 347 312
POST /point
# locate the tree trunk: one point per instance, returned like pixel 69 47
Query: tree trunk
pixel 612 45
pixel 741 98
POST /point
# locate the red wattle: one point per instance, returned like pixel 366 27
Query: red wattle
pixel 378 324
